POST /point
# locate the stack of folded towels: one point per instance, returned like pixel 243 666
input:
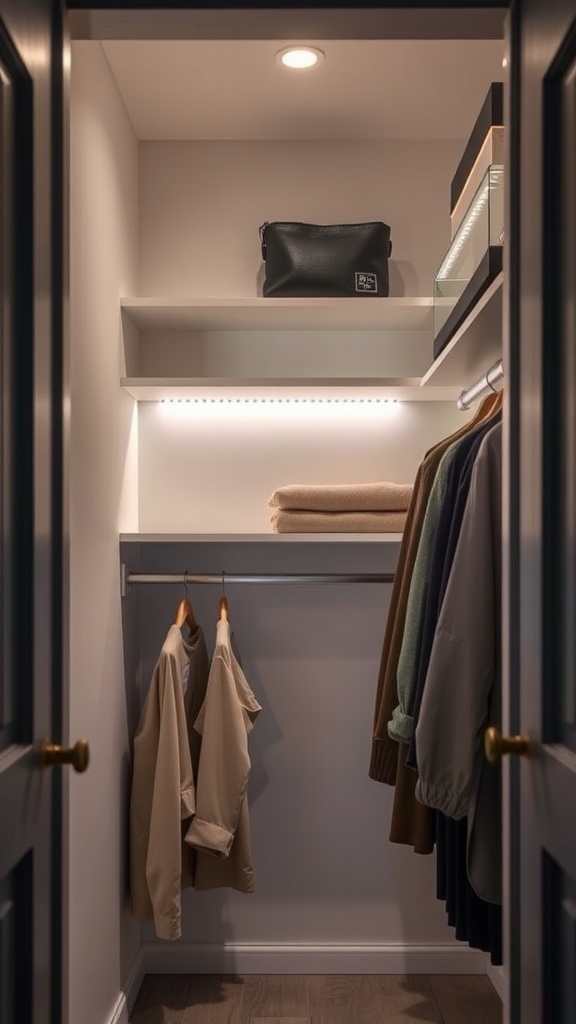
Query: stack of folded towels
pixel 340 508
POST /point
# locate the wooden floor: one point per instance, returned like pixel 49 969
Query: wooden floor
pixel 317 999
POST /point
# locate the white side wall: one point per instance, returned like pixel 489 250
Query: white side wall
pixel 211 468
pixel 102 940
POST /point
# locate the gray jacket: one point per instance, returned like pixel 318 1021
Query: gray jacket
pixel 462 693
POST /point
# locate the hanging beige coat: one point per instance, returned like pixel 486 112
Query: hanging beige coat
pixel 220 828
pixel 163 792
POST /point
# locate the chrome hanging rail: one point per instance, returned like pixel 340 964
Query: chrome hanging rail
pixel 129 578
pixel 483 386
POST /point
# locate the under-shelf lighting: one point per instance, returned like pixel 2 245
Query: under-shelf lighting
pixel 273 408
pixel 279 401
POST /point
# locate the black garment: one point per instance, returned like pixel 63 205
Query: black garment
pixel 475 921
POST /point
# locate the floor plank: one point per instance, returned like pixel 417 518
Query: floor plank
pixel 280 1020
pixel 162 999
pixel 468 997
pixel 274 995
pixel 372 999
pixel 317 999
pixel 214 999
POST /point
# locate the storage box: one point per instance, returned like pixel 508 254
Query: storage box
pixel 473 259
pixel 485 148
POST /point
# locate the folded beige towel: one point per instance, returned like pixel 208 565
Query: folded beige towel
pixel 287 521
pixel 374 497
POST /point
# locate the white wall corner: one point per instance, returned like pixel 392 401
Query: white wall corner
pixel 128 514
pixel 127 998
pixel 499 978
pixel 120 1012
pixel 103 265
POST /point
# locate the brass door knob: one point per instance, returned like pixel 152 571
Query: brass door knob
pixel 78 755
pixel 495 745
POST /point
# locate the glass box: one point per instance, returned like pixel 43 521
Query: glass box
pixel 473 259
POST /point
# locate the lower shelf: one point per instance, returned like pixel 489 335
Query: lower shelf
pixel 219 559
pixel 230 389
pixel 260 538
pixel 475 346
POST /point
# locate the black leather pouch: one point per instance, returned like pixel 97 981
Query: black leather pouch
pixel 325 260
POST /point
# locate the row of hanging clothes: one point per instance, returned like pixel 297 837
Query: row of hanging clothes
pixel 439 683
pixel 189 816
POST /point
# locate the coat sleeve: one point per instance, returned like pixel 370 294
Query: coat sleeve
pixel 462 665
pixel 224 765
pixel 162 797
pixel 401 725
pixel 384 750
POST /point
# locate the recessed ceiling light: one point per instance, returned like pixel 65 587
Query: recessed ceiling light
pixel 300 57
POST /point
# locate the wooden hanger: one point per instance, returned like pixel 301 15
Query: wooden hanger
pixel 223 609
pixel 185 612
pixel 498 403
pixel 488 407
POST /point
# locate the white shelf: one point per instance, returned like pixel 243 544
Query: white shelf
pixel 476 345
pixel 260 538
pixel 260 314
pixel 474 348
pixel 401 389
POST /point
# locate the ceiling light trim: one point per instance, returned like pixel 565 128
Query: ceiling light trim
pixel 300 58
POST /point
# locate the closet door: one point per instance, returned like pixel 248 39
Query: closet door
pixel 542 376
pixel 31 502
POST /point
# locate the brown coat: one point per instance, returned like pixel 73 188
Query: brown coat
pixel 412 824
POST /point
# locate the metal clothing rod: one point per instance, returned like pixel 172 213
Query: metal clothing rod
pixel 483 386
pixel 181 578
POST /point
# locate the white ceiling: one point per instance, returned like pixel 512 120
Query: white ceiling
pixel 365 89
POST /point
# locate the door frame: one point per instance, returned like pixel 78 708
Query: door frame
pixel 140 19
pixel 60 444
pixel 35 30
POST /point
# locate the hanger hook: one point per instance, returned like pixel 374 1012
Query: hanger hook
pixel 185 581
pixel 223 583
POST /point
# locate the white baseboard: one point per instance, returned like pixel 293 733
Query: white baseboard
pixel 120 1011
pixel 303 958
pixel 125 1003
pixel 499 979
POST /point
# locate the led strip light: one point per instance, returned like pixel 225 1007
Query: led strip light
pixel 279 401
pixel 477 206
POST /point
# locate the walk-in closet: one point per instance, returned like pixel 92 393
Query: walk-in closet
pixel 193 400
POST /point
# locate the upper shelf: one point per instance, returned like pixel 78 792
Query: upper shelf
pixel 476 345
pixel 260 314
